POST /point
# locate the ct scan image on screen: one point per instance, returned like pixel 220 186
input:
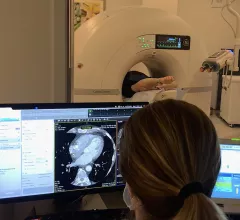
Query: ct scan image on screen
pixel 85 154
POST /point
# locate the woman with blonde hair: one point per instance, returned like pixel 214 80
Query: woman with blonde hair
pixel 170 159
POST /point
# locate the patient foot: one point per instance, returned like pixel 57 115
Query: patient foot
pixel 152 83
pixel 169 86
pixel 166 80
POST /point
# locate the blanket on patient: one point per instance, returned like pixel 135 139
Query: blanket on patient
pixel 152 96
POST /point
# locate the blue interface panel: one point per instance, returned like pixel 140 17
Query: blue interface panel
pixel 228 183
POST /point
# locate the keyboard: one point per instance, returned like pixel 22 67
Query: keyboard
pixel 109 214
pixel 233 217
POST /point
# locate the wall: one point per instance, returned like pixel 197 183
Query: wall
pixel 60 50
pixel 170 6
pixel 208 22
pixel 29 54
pixel 111 4
pixel 167 5
pixel 33 60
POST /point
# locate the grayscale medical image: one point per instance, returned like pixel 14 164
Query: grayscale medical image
pixel 85 155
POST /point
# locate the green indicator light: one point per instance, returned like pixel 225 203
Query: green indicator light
pixel 235 139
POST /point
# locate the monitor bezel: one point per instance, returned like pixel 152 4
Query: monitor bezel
pixel 24 106
pixel 75 193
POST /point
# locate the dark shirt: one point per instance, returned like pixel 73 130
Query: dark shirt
pixel 131 78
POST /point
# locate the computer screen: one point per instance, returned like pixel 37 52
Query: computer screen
pixel 228 182
pixel 51 149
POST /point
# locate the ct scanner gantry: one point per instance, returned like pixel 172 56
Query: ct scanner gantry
pixel 111 43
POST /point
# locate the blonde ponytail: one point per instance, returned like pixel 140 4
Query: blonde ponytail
pixel 164 147
pixel 200 207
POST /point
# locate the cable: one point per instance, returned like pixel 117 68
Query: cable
pixel 224 77
pixel 230 81
pixel 234 32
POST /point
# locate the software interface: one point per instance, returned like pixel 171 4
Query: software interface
pixel 228 183
pixel 44 151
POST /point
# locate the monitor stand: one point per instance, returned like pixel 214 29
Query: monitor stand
pixel 102 201
pixel 113 200
pixel 71 203
pixel 110 200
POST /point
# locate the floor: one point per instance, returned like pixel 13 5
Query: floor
pixel 223 130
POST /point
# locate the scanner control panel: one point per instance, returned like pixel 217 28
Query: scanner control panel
pixel 164 42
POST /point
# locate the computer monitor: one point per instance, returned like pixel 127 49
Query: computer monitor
pixel 51 150
pixel 227 189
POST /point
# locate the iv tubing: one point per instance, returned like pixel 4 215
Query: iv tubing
pixel 237 15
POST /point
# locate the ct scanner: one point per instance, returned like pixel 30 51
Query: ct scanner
pixel 110 44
